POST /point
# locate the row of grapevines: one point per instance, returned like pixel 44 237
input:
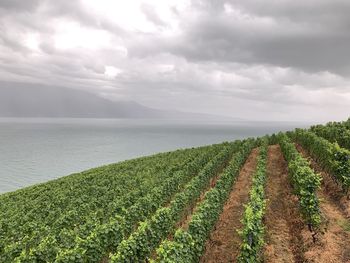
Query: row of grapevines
pixel 333 132
pixel 72 193
pixel 188 245
pixel 304 181
pixel 253 226
pixel 334 159
pixel 346 123
pixel 100 241
pixel 147 237
pixel 101 236
pixel 105 185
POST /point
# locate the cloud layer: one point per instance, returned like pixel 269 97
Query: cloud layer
pixel 277 60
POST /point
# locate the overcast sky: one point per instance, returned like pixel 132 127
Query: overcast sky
pixel 277 60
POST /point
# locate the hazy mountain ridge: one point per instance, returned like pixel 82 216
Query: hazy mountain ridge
pixel 37 100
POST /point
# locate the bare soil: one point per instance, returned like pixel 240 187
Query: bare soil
pixel 282 219
pixel 334 245
pixel 224 242
pixel 186 219
pixel 191 209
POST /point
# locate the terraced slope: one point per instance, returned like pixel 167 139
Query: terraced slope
pixel 279 198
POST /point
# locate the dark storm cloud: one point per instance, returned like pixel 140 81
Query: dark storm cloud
pixel 311 36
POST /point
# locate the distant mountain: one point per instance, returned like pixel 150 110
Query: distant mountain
pixel 36 100
pixel 32 100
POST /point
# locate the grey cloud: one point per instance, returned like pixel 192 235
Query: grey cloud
pixel 313 10
pixel 75 10
pixel 72 9
pixel 11 43
pixel 285 55
pixel 19 5
pixel 308 37
pixel 151 15
pixel 38 14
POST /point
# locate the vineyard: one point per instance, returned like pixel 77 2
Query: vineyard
pixel 279 198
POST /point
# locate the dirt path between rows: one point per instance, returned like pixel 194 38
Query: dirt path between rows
pixel 191 208
pixel 333 246
pixel 282 219
pixel 224 242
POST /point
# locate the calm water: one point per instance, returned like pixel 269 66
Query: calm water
pixel 37 150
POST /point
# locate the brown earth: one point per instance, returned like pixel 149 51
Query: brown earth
pixel 282 219
pixel 186 219
pixel 191 209
pixel 224 242
pixel 333 245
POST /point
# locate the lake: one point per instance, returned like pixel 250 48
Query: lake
pixel 38 150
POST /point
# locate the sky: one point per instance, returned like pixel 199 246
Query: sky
pixel 251 59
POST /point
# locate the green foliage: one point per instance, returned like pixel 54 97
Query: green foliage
pixel 332 158
pixel 98 244
pixel 304 181
pixel 84 215
pixel 187 246
pixel 273 139
pixel 130 207
pixel 334 132
pixel 150 233
pixel 253 226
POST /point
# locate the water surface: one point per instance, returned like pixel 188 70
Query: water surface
pixel 37 150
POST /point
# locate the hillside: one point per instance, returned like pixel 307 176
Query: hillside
pixel 278 198
pixel 37 100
